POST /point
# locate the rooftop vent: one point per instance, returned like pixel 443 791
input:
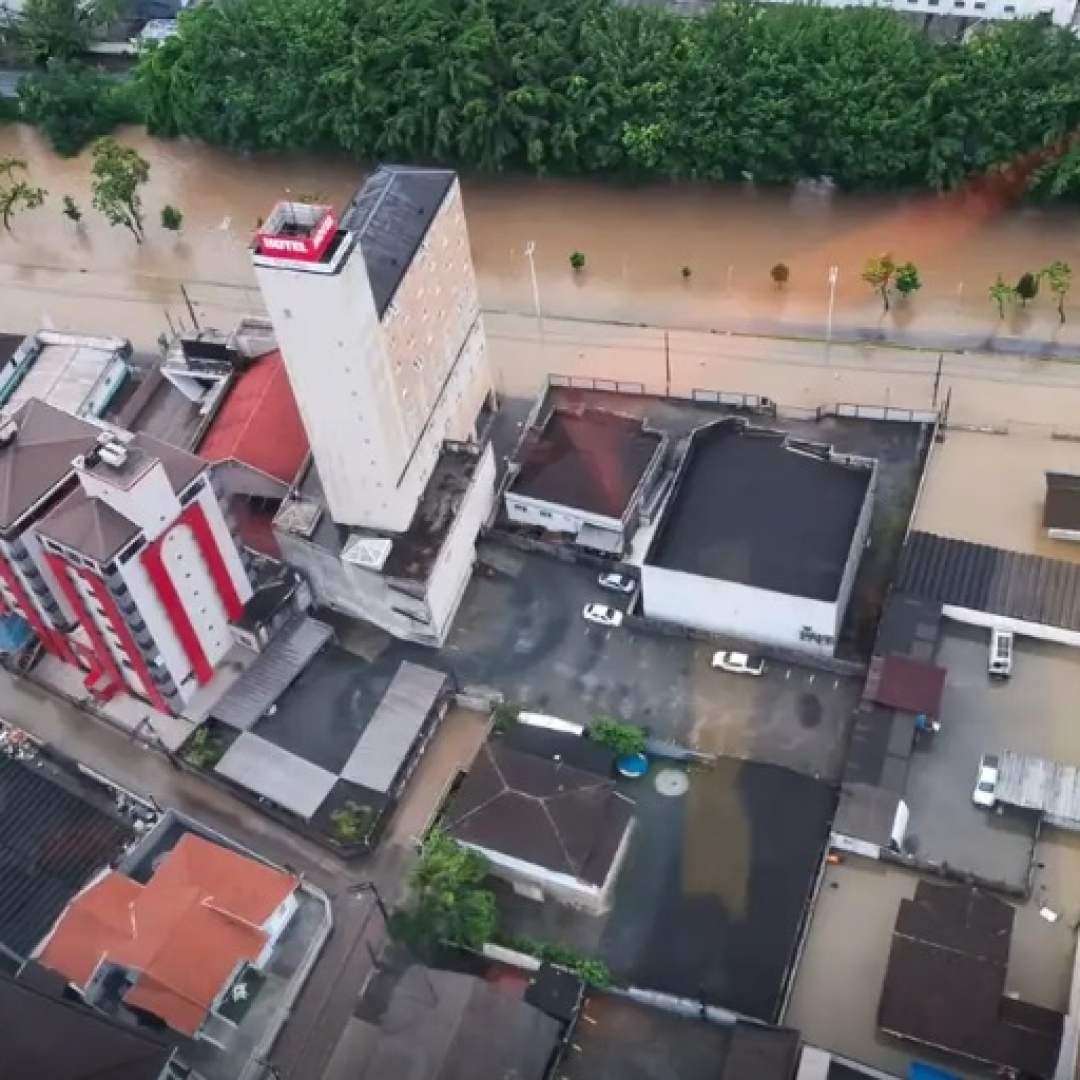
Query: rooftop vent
pixel 370 552
pixel 113 454
pixel 300 517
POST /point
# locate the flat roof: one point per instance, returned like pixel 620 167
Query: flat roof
pixel 53 840
pixel 909 685
pixel 958 573
pixel 1048 787
pixel 908 627
pixel 277 775
pixel 66 369
pixel 753 507
pixel 588 459
pixel 387 742
pixel 950 945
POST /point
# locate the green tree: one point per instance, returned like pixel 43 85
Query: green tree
pixel 119 172
pixel 623 739
pixel 1027 288
pixel 71 210
pixel 1001 293
pixel 879 274
pixel 45 30
pixel 1059 279
pixel 907 279
pixel 449 902
pixel 577 260
pixel 171 218
pixel 16 191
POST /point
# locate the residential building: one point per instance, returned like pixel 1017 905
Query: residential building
pixel 553 830
pixel 378 319
pixel 44 1034
pixel 1059 12
pixel 115 551
pixel 54 838
pixel 175 947
pixel 585 474
pixel 761 538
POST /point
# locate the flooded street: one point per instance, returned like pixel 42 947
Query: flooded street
pixel 636 241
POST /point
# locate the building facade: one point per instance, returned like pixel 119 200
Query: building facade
pixel 115 551
pixel 378 319
pixel 1060 12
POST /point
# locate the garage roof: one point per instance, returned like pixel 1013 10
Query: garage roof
pixel 905 684
pixel 283 778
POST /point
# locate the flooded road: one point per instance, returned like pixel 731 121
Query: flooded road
pixel 636 242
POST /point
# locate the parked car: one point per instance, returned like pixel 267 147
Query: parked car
pixel 985 793
pixel 739 663
pixel 602 615
pixel 617 582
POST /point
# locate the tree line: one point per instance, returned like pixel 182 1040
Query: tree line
pixel 774 94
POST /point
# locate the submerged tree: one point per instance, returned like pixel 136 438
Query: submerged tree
pixel 879 274
pixel 781 274
pixel 1059 280
pixel 16 191
pixel 1002 293
pixel 908 280
pixel 171 218
pixel 119 172
pixel 71 210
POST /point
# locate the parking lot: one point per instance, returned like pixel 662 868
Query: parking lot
pixel 1033 713
pixel 522 632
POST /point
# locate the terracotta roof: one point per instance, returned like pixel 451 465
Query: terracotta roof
pixel 183 933
pixel 259 424
pixel 46 443
pixel 89 526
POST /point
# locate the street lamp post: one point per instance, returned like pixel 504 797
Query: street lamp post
pixel 530 252
pixel 834 277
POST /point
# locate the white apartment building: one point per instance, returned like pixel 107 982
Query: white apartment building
pixel 1060 12
pixel 377 316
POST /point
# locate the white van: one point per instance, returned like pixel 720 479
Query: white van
pixel 1001 653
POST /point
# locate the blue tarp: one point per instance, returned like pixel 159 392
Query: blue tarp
pixel 15 634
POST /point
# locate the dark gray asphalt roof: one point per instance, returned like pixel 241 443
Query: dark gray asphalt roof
pixel 951 944
pixel 88 526
pixel 1062 507
pixel 52 841
pixel 909 627
pixel 544 812
pixel 958 573
pixel 590 460
pixel 752 509
pixel 392 213
pixel 50 1038
pixel 761 1053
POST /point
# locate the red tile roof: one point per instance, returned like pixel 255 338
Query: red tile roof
pixel 259 423
pixel 899 682
pixel 183 933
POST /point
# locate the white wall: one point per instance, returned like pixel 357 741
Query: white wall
pixel 854 846
pixel 219 529
pixel 183 559
pixel 150 502
pixel 724 607
pixel 275 926
pixel 1039 631
pixel 525 510
pixel 158 623
pixel 559 887
pixel 1060 11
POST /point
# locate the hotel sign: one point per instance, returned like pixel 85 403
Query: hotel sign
pixel 308 248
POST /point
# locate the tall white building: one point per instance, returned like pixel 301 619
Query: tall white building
pixel 378 319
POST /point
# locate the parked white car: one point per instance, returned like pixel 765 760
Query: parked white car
pixel 602 615
pixel 617 582
pixel 985 793
pixel 739 663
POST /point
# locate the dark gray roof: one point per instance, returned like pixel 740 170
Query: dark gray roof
pixel 544 812
pixel 392 213
pixel 88 526
pixel 1062 507
pixel 426 1024
pixel 761 1053
pixel 909 627
pixel 590 460
pixel 950 945
pixel 47 441
pixel 573 750
pixel 752 508
pixel 52 841
pixel 958 573
pixel 51 1038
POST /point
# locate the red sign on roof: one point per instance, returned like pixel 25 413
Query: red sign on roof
pixel 305 247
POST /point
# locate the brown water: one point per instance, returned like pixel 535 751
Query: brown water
pixel 636 242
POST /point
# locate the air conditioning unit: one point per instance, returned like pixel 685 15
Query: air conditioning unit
pixel 113 454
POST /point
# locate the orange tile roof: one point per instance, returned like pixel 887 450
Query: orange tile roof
pixel 184 933
pixel 259 423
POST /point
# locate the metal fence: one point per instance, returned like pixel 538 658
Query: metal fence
pixel 886 412
pixel 582 382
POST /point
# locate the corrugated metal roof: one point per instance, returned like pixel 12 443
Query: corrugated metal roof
pixel 277 775
pixel 1045 786
pixel 52 841
pixel 388 739
pixel 958 573
pixel 272 673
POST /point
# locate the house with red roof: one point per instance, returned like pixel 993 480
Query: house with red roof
pixel 177 947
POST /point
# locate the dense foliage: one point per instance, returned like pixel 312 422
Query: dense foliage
pixel 775 93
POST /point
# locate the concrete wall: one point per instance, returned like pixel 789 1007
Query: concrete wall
pixel 561 888
pixel 1040 631
pixel 524 510
pixel 725 607
pixel 855 552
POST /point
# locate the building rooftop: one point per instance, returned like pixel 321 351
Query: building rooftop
pixel 542 812
pixel 958 573
pixel 259 424
pixel 909 685
pixel 951 944
pixel 909 627
pixel 141 453
pixel 392 213
pixel 416 1023
pixel 1062 507
pixel 183 933
pixel 588 459
pixel 53 840
pixel 89 526
pixel 39 457
pixel 47 1036
pixel 753 507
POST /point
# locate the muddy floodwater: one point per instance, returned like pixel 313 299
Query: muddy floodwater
pixel 636 241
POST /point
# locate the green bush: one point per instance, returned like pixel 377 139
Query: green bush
pixel 593 972
pixel 622 739
pixel 205 748
pixel 351 822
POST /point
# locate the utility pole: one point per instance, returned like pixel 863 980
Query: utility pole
pixel 667 363
pixel 530 253
pixel 190 307
pixel 834 277
pixel 937 377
